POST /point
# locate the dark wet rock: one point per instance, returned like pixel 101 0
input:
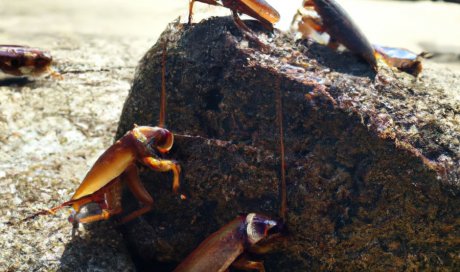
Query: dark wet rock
pixel 372 160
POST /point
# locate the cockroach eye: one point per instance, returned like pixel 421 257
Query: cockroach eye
pixel 15 63
pixel 151 145
pixel 42 61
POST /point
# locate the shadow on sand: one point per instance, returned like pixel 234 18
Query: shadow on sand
pixel 96 247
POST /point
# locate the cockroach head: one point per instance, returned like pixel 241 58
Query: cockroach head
pixel 157 138
pixel 259 227
pixel 34 61
pixel 42 60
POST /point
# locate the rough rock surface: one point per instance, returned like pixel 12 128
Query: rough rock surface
pixel 372 160
pixel 53 130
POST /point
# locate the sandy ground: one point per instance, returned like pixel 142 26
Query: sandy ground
pixel 52 131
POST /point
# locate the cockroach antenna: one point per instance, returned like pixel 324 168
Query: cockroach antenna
pixel 279 113
pixel 162 118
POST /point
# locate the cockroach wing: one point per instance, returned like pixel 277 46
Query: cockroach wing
pixel 261 9
pixel 218 251
pixel 110 165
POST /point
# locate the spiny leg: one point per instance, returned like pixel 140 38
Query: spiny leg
pixel 131 177
pixel 308 4
pixel 304 29
pixel 104 215
pixel 314 23
pixel 190 7
pixel 53 73
pixel 108 199
pixel 307 20
pixel 164 166
pixel 242 263
pixel 302 18
pixel 248 33
pixel 297 17
pixel 190 11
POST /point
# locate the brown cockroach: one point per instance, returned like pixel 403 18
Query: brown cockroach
pixel 24 61
pixel 402 59
pixel 100 191
pixel 334 20
pixel 102 184
pixel 226 247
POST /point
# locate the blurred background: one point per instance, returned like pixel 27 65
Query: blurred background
pixel 415 25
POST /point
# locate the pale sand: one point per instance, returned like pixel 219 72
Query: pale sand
pixel 394 23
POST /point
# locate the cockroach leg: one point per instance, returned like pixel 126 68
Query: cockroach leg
pixel 248 33
pixel 190 11
pixel 258 9
pixel 190 7
pixel 165 166
pixel 54 74
pixel 101 206
pixel 242 263
pixel 131 176
pixel 314 23
pixel 332 19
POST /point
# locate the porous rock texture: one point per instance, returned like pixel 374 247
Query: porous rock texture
pixel 372 160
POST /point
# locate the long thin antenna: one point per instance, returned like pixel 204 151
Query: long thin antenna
pixel 162 118
pixel 279 114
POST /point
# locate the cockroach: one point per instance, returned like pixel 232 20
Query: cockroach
pixel 100 191
pixel 400 58
pixel 227 246
pixel 334 20
pixel 24 61
pixel 102 184
pixel 258 9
